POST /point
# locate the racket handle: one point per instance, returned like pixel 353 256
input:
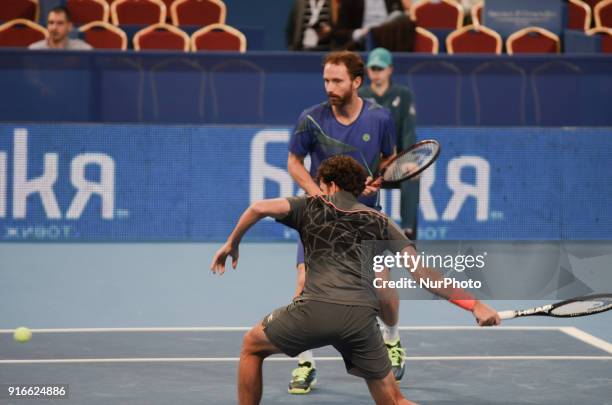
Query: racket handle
pixel 507 314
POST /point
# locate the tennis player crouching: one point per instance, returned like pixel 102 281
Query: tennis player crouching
pixel 336 307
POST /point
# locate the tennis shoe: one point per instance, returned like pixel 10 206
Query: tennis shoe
pixel 397 355
pixel 303 378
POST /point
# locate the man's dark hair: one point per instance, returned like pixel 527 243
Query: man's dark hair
pixel 352 61
pixel 343 170
pixel 61 9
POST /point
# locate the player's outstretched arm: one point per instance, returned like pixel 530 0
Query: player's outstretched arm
pixel 484 314
pixel 276 208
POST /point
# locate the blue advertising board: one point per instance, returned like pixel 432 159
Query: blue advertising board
pixel 91 182
pixel 508 16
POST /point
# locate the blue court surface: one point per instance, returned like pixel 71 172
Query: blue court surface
pixel 445 365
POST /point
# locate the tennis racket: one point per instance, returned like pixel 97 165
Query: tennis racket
pixel 581 306
pixel 409 163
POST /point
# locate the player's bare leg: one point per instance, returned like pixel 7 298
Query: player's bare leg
pixel 255 348
pixel 386 392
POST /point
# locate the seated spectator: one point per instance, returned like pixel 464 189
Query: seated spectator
pixel 309 25
pixel 59 25
pixel 357 17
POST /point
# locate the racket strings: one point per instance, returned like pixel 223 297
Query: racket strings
pixel 583 307
pixel 410 162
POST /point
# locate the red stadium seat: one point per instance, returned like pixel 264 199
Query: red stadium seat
pixel 592 3
pixel 138 12
pixel 578 15
pixel 168 4
pixel 603 14
pixel 198 12
pixel 477 13
pixel 442 14
pixel 218 37
pixel 86 11
pixel 605 35
pixel 474 39
pixel 533 40
pixel 14 9
pixel 161 36
pixel 21 33
pixel 102 35
pixel 425 41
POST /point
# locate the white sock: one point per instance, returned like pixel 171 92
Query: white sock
pixel 306 356
pixel 390 333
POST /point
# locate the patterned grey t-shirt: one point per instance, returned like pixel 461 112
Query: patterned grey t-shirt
pixel 332 229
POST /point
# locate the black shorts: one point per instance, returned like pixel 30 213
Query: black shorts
pixel 352 330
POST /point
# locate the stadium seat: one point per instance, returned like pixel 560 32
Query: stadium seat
pixel 14 9
pixel 605 35
pixel 198 12
pixel 425 42
pixel 603 14
pixel 86 11
pixel 21 33
pixel 442 14
pixel 592 3
pixel 102 35
pixel 168 4
pixel 218 37
pixel 477 13
pixel 578 15
pixel 474 39
pixel 533 40
pixel 161 36
pixel 138 12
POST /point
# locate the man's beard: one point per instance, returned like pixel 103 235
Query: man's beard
pixel 337 100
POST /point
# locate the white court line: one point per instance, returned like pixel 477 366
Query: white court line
pixel 246 328
pixel 588 338
pixel 281 359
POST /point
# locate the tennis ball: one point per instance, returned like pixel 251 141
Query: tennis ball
pixel 22 334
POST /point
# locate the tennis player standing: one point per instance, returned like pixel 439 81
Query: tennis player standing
pixel 368 128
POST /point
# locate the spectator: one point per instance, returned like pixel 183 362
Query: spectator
pixel 398 99
pixel 59 25
pixel 357 17
pixel 309 25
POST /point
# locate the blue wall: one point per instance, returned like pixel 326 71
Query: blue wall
pixel 273 88
pixel 177 183
pixel 270 15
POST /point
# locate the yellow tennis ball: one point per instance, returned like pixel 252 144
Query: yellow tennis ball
pixel 22 334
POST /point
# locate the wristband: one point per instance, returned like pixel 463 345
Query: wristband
pixel 467 304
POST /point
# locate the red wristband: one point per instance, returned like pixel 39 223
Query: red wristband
pixel 467 304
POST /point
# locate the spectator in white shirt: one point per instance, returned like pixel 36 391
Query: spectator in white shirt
pixel 59 25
